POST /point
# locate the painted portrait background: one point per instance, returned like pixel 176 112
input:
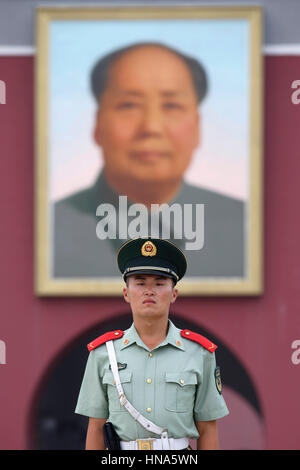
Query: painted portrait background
pixel 222 46
pixel 226 167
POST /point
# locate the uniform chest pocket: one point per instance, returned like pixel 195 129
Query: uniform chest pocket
pixel 180 391
pixel 112 392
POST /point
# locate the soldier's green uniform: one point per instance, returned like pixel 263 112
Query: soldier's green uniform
pixel 174 385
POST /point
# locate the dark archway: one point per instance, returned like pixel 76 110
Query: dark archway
pixel 54 425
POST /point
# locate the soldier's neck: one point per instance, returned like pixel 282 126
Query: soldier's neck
pixel 152 332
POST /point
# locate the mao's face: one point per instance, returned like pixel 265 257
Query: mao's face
pixel 147 123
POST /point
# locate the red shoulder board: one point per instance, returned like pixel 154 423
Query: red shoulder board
pixel 206 343
pixel 103 338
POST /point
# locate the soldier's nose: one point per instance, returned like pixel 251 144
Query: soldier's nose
pixel 149 292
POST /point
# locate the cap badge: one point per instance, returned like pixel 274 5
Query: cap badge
pixel 148 249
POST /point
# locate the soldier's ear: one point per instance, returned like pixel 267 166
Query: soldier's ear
pixel 174 295
pixel 125 294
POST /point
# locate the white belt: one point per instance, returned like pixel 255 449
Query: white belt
pixel 155 444
pixel 146 423
pixel 141 444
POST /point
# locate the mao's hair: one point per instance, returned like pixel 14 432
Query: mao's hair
pixel 99 74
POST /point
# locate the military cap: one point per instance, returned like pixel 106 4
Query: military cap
pixel 151 256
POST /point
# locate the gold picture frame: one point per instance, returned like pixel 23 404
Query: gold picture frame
pixel 251 282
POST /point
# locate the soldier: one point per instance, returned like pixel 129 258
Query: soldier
pixel 152 386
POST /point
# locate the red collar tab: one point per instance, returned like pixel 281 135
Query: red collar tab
pixel 206 343
pixel 110 335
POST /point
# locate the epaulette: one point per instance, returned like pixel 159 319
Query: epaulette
pixel 110 335
pixel 206 343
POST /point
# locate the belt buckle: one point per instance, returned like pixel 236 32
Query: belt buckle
pixel 145 444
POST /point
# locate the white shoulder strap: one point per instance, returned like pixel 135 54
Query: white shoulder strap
pixel 146 423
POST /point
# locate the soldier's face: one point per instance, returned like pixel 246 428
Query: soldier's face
pixel 148 122
pixel 149 296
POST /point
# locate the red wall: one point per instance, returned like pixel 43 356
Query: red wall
pixel 259 331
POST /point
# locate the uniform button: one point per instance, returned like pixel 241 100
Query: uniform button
pixel 181 381
pixel 149 381
pixel 126 341
pixel 149 410
pixel 150 354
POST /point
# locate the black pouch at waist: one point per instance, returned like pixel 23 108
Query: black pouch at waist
pixel 111 438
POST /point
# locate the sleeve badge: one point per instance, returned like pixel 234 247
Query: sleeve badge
pixel 218 380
